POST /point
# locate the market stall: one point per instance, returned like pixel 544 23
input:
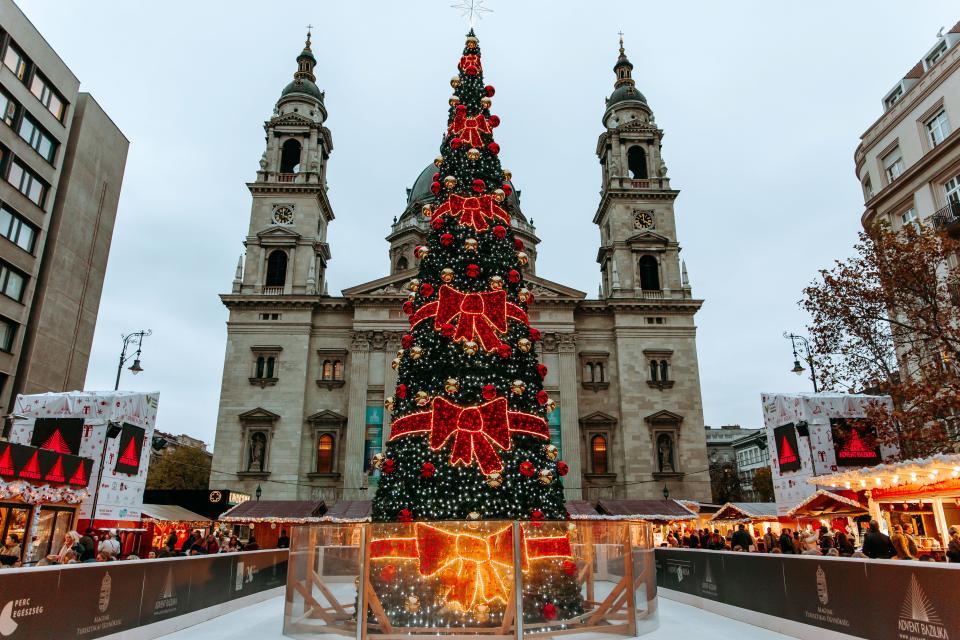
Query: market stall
pixel 160 520
pixel 757 516
pixel 664 515
pixel 833 510
pixel 921 495
pixel 265 520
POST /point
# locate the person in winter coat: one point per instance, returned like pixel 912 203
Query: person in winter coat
pixel 876 544
pixel 844 545
pixel 770 541
pixel 786 542
pixel 741 538
pixel 953 549
pixel 110 546
pixel 905 547
pixel 810 541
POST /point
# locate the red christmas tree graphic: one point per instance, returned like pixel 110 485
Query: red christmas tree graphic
pixel 56 443
pixel 31 470
pixel 130 457
pixel 78 478
pixel 856 448
pixel 6 464
pixel 787 454
pixel 56 471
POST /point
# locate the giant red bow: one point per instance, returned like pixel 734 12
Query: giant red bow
pixel 472 212
pixel 475 430
pixel 469 129
pixel 469 565
pixel 479 316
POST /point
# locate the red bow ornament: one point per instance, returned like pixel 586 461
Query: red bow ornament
pixel 469 129
pixel 472 212
pixel 479 316
pixel 475 430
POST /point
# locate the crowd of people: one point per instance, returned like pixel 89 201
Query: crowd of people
pixel 901 545
pixel 106 547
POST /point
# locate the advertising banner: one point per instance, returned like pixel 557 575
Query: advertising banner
pixel 788 454
pixel 855 444
pixel 28 603
pixel 826 594
pixel 210 580
pixel 166 590
pixel 743 573
pixel 62 435
pixel 98 599
pixel 915 601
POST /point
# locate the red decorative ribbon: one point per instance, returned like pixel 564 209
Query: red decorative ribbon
pixel 470 60
pixel 479 316
pixel 469 129
pixel 469 565
pixel 472 212
pixel 475 429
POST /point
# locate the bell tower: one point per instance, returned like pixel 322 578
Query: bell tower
pixel 286 245
pixel 639 253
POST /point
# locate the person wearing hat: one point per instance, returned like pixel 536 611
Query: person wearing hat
pixel 953 548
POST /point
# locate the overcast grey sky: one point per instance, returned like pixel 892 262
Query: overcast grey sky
pixel 762 104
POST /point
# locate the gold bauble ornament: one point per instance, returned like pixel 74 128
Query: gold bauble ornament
pixel 426 211
pixel 499 195
pixel 414 284
pixel 438 161
pixel 470 347
pixel 422 398
pixel 416 352
pixel 470 244
pixel 494 480
pixel 454 101
pixel 412 604
pixel 496 283
pixel 388 403
pixel 518 387
pixel 451 385
pixel 447 274
pixel 551 405
pixel 378 459
pixel 524 294
pixel 552 452
pixel 507 175
pixel 522 258
pixel 449 182
pixel 455 81
pixel 421 252
pixel 473 515
pixel 473 154
pixel 546 476
pixel 481 613
pixel 395 364
pixel 472 42
pixel 486 102
pixel 524 345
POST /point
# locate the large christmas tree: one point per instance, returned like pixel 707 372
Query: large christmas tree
pixel 469 438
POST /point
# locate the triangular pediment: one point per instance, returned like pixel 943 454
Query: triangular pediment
pixel 648 237
pixel 543 288
pixel 664 417
pixel 278 232
pixel 327 416
pixel 597 418
pixel 392 285
pixel 259 412
pixel 291 118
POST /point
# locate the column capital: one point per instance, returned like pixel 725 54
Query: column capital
pixel 566 342
pixel 361 341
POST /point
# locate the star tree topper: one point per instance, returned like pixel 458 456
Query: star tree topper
pixel 472 10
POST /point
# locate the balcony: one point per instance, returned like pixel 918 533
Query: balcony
pixel 651 294
pixel 948 219
pixel 286 177
pixel 273 291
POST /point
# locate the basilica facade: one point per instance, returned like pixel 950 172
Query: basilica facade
pixel 305 373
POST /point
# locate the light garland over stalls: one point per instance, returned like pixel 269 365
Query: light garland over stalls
pixel 919 472
pixel 40 494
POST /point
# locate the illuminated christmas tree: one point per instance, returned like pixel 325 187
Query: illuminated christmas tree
pixel 469 438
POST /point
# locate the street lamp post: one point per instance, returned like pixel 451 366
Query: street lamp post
pixel 807 355
pixel 127 341
pixel 666 492
pixel 113 430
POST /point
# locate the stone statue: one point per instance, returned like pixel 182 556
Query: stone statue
pixel 662 169
pixel 258 445
pixel 665 453
pixel 263 161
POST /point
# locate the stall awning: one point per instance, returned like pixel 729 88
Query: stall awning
pixel 647 510
pixel 746 511
pixel 349 511
pixel 939 473
pixel 826 503
pixel 581 510
pixel 171 513
pixel 290 511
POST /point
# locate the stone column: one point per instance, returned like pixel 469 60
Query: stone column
pixel 353 477
pixel 570 415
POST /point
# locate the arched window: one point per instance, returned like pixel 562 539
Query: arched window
pixel 277 269
pixel 649 274
pixel 664 371
pixel 402 263
pixel 637 163
pixel 327 373
pixel 338 370
pixel 598 451
pixel 290 156
pixel 653 370
pixel 325 453
pixel 588 371
pixel 260 363
pixel 270 363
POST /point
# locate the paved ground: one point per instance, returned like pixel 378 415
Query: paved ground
pixel 264 621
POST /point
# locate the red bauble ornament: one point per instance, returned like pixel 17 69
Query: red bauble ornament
pixel 507 189
pixel 504 351
pixel 427 470
pixel 542 397
pixel 447 329
pixel 535 334
pixel 536 515
pixel 479 186
pixel 518 244
pixel 562 468
pixel 542 370
pixel 489 392
pixel 489 90
pixel 389 466
pixel 549 611
pixel 456 143
pixel 473 270
pixel 426 289
pixel 569 567
pixel 408 307
pixel 513 276
pixel 435 188
pixel 437 224
pixel 406 341
pixel 493 121
pixel 527 468
pixel 436 176
pixel 446 239
pixel 401 391
pixel 405 515
pixel 388 573
pixel 461 108
pixel 494 148
pixel 500 232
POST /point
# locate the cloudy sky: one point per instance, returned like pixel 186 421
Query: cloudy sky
pixel 762 105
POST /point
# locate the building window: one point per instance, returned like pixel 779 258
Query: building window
pixel 277 269
pixel 402 264
pixel 598 453
pixel 48 96
pixel 664 371
pixel 893 97
pixel 909 218
pixel 952 190
pixel 659 371
pixel 332 370
pixel 270 316
pixel 649 274
pixel 37 138
pixel 11 282
pixel 27 183
pixel 867 188
pixel 17 230
pixel 937 54
pixel 266 366
pixel 8 109
pixel 893 164
pixel 8 330
pixel 596 373
pixel 637 162
pixel 938 128
pixel 325 453
pixel 15 61
pixel 654 371
pixel 290 156
pixel 658 364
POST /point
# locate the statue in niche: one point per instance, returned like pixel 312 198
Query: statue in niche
pixel 258 448
pixel 263 161
pixel 665 453
pixel 662 169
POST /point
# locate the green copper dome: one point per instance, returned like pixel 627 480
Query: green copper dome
pixel 304 86
pixel 420 191
pixel 625 93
